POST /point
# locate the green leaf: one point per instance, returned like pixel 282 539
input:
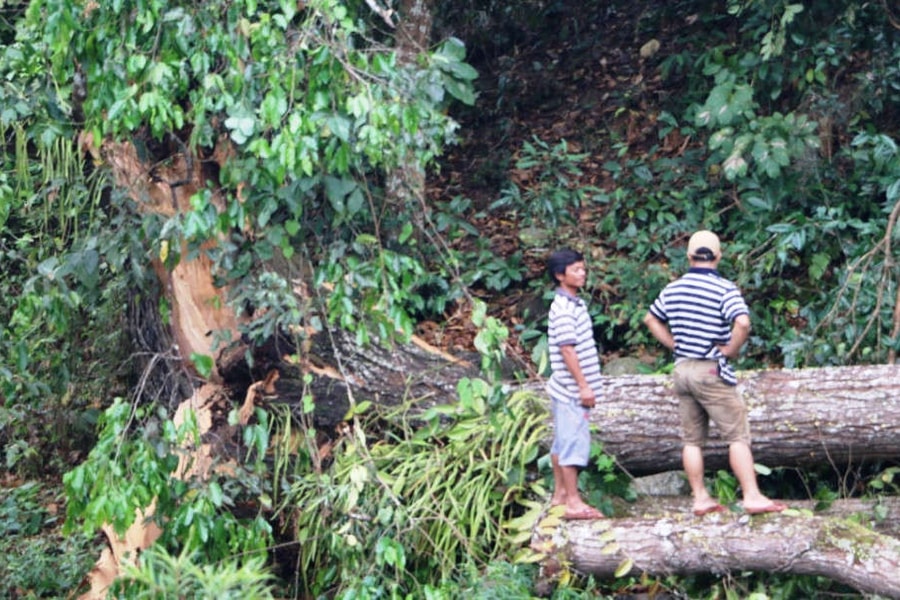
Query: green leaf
pixel 405 233
pixel 735 166
pixel 203 363
pixel 242 125
pixel 216 496
pixel 762 469
pixel 721 138
pixel 339 125
pixel 527 555
pixel 337 189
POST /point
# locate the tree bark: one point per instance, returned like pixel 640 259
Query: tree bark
pixel 198 306
pixel 798 543
pixel 881 514
pixel 798 418
pixel 405 184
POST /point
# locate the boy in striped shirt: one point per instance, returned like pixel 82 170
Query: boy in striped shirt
pixel 575 383
pixel 703 319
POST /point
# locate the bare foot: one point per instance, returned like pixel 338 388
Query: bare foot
pixel 711 508
pixel 769 506
pixel 705 504
pixel 585 513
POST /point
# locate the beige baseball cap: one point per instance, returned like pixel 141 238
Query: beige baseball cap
pixel 704 245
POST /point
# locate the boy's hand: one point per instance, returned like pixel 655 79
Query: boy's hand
pixel 588 400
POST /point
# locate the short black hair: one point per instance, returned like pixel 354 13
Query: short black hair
pixel 560 260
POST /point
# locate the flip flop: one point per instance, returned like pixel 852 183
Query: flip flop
pixel 585 514
pixel 715 508
pixel 774 507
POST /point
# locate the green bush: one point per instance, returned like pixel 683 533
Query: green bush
pixel 38 560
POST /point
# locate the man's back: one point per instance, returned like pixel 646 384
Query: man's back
pixel 699 308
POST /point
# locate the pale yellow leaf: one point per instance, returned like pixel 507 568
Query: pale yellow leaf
pixel 624 568
pixel 526 555
pixel 607 536
pixel 610 549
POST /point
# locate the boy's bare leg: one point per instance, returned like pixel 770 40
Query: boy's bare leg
pixel 559 490
pixel 574 503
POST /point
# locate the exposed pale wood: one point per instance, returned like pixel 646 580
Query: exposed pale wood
pixel 198 307
pixel 198 461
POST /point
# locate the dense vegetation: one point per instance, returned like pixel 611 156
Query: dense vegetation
pixel 615 127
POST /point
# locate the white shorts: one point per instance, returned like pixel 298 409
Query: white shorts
pixel 571 432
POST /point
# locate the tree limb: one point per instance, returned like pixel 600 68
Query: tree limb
pixel 386 14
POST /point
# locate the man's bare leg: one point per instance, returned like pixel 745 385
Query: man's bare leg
pixel 692 459
pixel 741 459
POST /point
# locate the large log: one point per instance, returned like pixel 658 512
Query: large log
pixel 880 513
pixel 336 371
pixel 798 418
pixel 799 543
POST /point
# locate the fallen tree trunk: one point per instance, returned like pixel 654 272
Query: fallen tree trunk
pixel 798 418
pixel 795 543
pixel 335 369
pixel 881 514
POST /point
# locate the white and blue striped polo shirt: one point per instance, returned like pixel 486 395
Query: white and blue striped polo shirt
pixel 699 309
pixel 570 325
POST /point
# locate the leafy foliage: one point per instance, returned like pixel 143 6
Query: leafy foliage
pixel 161 575
pixel 551 193
pixel 312 106
pixel 422 501
pixel 38 562
pixel 786 127
pixel 127 477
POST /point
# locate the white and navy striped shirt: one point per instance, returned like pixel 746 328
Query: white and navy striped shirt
pixel 570 325
pixel 699 309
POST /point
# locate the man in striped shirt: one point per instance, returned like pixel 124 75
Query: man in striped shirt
pixel 575 383
pixel 704 320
